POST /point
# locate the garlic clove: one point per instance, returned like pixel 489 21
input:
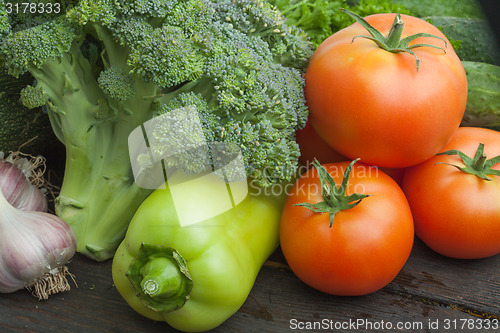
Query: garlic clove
pixel 34 247
pixel 17 189
pixel 38 243
pixel 12 182
pixel 31 199
pixel 60 242
pixel 8 281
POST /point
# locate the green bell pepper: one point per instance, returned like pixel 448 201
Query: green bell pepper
pixel 194 277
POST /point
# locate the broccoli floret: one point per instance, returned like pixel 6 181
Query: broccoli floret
pixel 5 27
pixel 33 47
pixel 33 97
pixel 116 84
pixel 104 68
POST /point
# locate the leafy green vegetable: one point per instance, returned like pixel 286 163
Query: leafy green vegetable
pixel 456 8
pixel 322 18
pixel 108 66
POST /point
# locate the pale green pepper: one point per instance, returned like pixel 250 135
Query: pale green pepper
pixel 194 277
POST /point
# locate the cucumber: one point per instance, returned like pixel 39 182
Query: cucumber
pixel 483 99
pixel 478 41
pixel 19 125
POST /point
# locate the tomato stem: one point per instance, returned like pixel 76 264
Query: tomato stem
pixel 393 42
pixel 395 33
pixel 478 165
pixel 335 198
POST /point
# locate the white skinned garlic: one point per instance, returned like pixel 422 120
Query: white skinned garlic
pixel 34 248
pixel 17 189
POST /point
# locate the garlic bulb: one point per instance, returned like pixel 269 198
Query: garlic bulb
pixel 34 247
pixel 18 191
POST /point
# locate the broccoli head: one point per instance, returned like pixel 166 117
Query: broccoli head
pixel 105 67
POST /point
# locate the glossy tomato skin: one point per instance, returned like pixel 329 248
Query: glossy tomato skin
pixel 312 146
pixel 457 214
pixel 369 103
pixel 367 245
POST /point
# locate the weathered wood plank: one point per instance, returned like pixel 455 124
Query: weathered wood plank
pixel 280 302
pixel 430 289
pixel 472 286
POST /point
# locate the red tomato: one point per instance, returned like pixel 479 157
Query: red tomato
pixel 395 173
pixel 457 214
pixel 366 246
pixel 312 146
pixel 370 103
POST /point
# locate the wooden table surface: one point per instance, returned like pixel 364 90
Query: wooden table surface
pixel 431 294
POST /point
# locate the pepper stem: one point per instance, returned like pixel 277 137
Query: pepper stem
pixel 335 198
pixel 393 42
pixel 160 277
pixel 478 166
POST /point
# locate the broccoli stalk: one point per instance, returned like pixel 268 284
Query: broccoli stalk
pixel 103 68
pixel 98 194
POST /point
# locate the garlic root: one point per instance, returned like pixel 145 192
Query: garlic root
pixel 51 283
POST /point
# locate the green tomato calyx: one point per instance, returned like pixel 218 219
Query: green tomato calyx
pixel 335 198
pixel 160 277
pixel 393 42
pixel 478 166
